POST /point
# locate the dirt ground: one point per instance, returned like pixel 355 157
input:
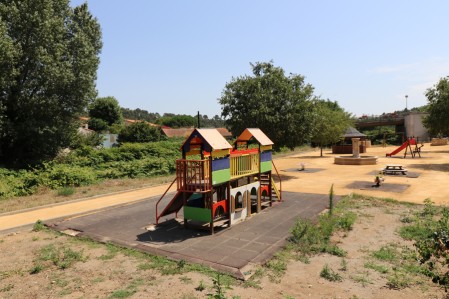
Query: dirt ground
pixel 38 264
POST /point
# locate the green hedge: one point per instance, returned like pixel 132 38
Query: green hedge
pixel 86 166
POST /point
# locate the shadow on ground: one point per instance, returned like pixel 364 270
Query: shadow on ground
pixel 386 187
pixel 434 167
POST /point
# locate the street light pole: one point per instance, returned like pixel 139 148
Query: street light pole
pixel 406 97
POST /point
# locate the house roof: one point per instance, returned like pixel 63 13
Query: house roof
pixel 257 134
pixel 180 132
pixel 185 132
pixel 212 139
pixel 352 132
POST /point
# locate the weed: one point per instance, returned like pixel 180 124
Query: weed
pixel 61 257
pixel 334 250
pixel 122 293
pixel 429 209
pixel 362 279
pixel 39 226
pixel 7 288
pixel 36 269
pixel 386 253
pixel 34 239
pixel 112 252
pixel 201 287
pixel 398 280
pixel 66 191
pixel 185 279
pixel 343 265
pixel 329 274
pixel 346 221
pixel 219 287
pixel 97 280
pixel 331 200
pixel 376 267
pixel 252 283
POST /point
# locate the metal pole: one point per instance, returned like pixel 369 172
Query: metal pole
pixel 406 97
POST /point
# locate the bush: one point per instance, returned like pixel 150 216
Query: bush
pixel 65 175
pixel 85 166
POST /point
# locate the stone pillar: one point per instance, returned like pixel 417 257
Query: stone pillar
pixel 356 147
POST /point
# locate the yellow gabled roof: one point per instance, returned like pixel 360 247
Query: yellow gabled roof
pixel 257 134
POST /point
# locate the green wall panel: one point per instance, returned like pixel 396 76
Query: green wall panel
pixel 197 214
pixel 265 166
pixel 221 176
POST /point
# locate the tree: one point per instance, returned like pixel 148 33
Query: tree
pixel 139 132
pixel 49 59
pixel 281 106
pixel 437 122
pixel 104 111
pixel 330 123
pixel 140 114
pixel 177 121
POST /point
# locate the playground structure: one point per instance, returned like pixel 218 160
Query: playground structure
pixel 407 145
pixel 219 184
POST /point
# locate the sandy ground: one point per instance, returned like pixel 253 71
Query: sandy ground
pixel 432 168
pixel 105 273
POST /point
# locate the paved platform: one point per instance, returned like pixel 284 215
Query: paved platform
pixel 235 250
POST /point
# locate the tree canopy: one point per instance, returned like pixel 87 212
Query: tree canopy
pixel 140 114
pixel 281 106
pixel 139 132
pixel 330 123
pixel 105 113
pixel 437 122
pixel 49 55
pixel 177 121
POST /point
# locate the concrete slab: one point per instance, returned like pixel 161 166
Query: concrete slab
pixel 232 250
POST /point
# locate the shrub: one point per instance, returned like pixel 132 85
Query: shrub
pixel 64 175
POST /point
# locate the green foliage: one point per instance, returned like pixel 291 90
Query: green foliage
pixel 177 121
pixel 386 253
pixel 140 132
pixel 85 166
pixel 49 57
pixel 377 267
pixel 62 257
pixel 60 175
pixel 123 293
pixel 66 191
pixel 98 125
pixel 329 274
pixel 331 200
pixel 331 122
pixel 307 238
pixel 215 122
pixel 219 288
pixel 398 280
pixel 281 106
pixel 104 113
pixel 381 134
pixel 39 226
pixel 437 121
pixel 139 114
pixel 86 140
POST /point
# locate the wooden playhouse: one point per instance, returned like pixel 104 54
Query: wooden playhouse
pixel 219 184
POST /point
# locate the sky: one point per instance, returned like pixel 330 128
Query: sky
pixel 176 56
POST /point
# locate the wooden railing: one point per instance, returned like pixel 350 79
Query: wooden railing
pixel 193 175
pixel 244 165
pixel 276 189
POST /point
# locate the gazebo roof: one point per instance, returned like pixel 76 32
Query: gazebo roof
pixel 352 132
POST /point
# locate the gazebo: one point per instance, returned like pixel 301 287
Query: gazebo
pixel 345 145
